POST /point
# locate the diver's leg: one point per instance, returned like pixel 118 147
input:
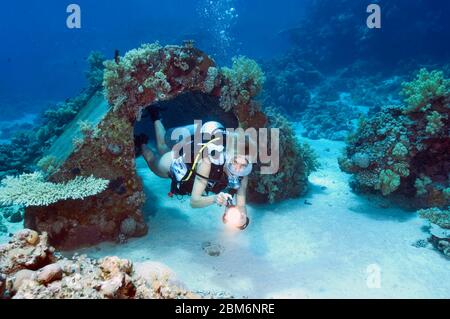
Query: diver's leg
pixel 158 165
pixel 160 133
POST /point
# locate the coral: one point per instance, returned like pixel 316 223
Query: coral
pixel 31 269
pixel 297 161
pixel 331 121
pixel 313 96
pixel 96 68
pixel 158 83
pixel 88 130
pixel 322 43
pixel 211 79
pixel 435 123
pixel 399 151
pixel 439 228
pixel 426 89
pixel 440 217
pixel 388 182
pixel 119 77
pixel 47 164
pixel 128 226
pixel 361 160
pixel 243 81
pixel 401 168
pixel 408 145
pixel 289 82
pixel 421 184
pixel 33 190
pixel 27 250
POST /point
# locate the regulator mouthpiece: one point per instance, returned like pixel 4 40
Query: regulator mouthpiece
pixel 234 182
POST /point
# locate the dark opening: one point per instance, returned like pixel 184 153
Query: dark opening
pixel 184 110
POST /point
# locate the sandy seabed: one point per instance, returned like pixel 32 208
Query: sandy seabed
pixel 330 244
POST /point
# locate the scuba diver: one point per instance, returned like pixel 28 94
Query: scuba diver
pixel 215 168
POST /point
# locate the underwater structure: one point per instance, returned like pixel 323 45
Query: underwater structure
pixel 88 190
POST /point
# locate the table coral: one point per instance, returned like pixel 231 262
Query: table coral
pixel 33 190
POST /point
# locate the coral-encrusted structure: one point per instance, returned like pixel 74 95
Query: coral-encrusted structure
pixel 404 150
pixel 31 269
pixel 141 78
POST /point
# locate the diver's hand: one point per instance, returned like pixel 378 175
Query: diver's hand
pixel 235 216
pixel 222 198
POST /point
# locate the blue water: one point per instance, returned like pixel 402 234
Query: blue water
pixel 314 246
pixel 41 58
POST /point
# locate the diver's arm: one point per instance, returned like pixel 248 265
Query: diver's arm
pixel 241 196
pixel 200 183
pixel 197 200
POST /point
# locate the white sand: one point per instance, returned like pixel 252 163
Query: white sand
pixel 293 250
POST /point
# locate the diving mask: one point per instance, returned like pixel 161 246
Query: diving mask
pixel 239 166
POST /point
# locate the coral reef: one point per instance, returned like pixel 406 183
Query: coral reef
pixel 439 228
pixel 405 156
pixel 332 121
pixel 31 269
pixel 332 33
pixel 297 161
pixel 326 103
pixel 289 82
pixel 94 74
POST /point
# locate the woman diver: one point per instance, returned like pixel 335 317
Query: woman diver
pixel 216 168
